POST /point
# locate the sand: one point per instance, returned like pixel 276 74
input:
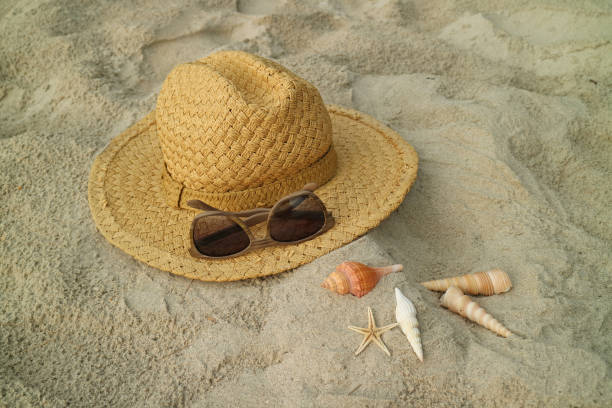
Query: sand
pixel 508 104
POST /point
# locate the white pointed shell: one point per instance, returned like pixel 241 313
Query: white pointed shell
pixel 405 314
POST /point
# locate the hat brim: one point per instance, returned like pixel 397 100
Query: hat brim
pixel 375 170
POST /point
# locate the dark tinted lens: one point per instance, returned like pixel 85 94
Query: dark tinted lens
pixel 296 218
pixel 218 235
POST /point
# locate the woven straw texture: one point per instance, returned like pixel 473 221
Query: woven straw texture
pixel 371 170
pixel 234 121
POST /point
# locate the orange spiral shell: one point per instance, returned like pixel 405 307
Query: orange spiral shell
pixel 356 278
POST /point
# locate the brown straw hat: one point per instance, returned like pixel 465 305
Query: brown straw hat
pixel 238 131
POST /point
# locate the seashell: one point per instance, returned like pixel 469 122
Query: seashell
pixel 405 314
pixel 486 283
pixel 356 278
pixel 454 300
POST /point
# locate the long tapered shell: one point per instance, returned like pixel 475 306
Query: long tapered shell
pixel 405 314
pixel 454 299
pixel 486 283
pixel 356 278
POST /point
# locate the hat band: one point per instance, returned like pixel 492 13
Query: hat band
pixel 177 195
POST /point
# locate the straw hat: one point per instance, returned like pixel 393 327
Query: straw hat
pixel 238 131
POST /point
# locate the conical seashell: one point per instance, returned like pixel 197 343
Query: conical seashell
pixel 454 299
pixel 356 278
pixel 405 314
pixel 486 283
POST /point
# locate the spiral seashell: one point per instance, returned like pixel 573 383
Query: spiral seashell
pixel 486 283
pixel 356 278
pixel 454 300
pixel 405 314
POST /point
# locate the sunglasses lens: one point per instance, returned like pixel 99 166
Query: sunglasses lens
pixel 296 218
pixel 218 235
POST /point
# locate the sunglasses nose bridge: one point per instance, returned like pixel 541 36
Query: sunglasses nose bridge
pixel 257 225
pixel 259 231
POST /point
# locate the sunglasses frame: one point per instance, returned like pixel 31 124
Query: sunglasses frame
pixel 254 217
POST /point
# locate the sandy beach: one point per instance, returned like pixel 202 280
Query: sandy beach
pixel 507 103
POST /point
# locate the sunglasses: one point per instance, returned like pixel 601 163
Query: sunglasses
pixel 298 217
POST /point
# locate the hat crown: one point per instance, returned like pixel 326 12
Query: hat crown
pixel 234 121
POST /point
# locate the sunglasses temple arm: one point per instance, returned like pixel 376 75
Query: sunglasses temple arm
pixel 256 219
pixel 261 217
pixel 200 205
pixel 310 187
pixel 249 213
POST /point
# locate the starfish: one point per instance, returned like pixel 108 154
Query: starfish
pixel 372 333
